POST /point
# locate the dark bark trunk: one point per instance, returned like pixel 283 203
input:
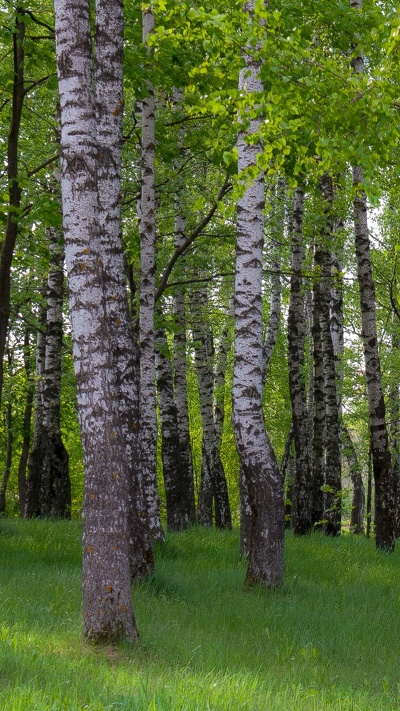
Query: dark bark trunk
pixel 333 484
pixel 301 491
pixel 318 397
pixel 357 506
pixel 48 487
pixel 15 191
pixel 178 494
pixel 9 455
pixel 381 460
pixel 385 516
pixel 212 472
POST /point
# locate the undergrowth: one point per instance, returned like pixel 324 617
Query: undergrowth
pixel 328 639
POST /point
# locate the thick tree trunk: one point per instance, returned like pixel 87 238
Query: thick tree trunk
pixel 385 518
pixel 107 603
pixel 109 113
pixel 15 191
pixel 265 561
pixel 213 482
pixel 48 486
pixel 357 506
pixel 301 490
pixel 147 227
pixel 178 495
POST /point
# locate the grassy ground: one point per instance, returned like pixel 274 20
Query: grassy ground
pixel 329 639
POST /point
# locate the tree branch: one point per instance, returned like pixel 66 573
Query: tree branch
pixel 186 244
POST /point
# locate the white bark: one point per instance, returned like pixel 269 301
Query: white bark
pixel 107 605
pixel 265 563
pixel 147 226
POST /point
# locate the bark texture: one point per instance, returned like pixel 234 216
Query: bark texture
pixel 333 485
pixel 301 490
pixel 180 374
pixel 357 506
pixel 147 227
pixel 385 518
pixel 107 604
pixel 213 486
pixel 123 347
pixel 265 561
pixel 178 495
pixel 48 486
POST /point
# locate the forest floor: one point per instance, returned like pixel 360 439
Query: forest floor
pixel 328 639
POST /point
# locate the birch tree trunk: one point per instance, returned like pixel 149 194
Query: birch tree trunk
pixel 276 233
pixel 265 561
pixel 357 506
pixel 147 227
pixel 318 398
pixel 48 485
pixel 381 460
pixel 333 484
pixel 213 482
pixel 109 112
pixel 301 490
pixel 180 375
pixel 107 604
pixel 178 495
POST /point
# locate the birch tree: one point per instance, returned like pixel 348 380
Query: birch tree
pixel 48 486
pixel 384 491
pixel 257 458
pixel 107 604
pixel 147 227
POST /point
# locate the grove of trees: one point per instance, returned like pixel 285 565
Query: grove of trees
pixel 217 186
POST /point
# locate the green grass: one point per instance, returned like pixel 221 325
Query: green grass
pixel 329 639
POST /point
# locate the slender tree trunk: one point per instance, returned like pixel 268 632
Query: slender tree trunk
pixel 301 491
pixel 357 506
pixel 213 482
pixel 15 191
pixel 109 113
pixel 394 436
pixel 385 518
pixel 180 377
pixel 265 561
pixel 147 226
pixel 9 455
pixel 333 483
pixel 178 496
pixel 107 603
pixel 26 433
pixel 48 486
pixel 318 397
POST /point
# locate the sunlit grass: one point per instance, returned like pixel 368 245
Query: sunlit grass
pixel 329 639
